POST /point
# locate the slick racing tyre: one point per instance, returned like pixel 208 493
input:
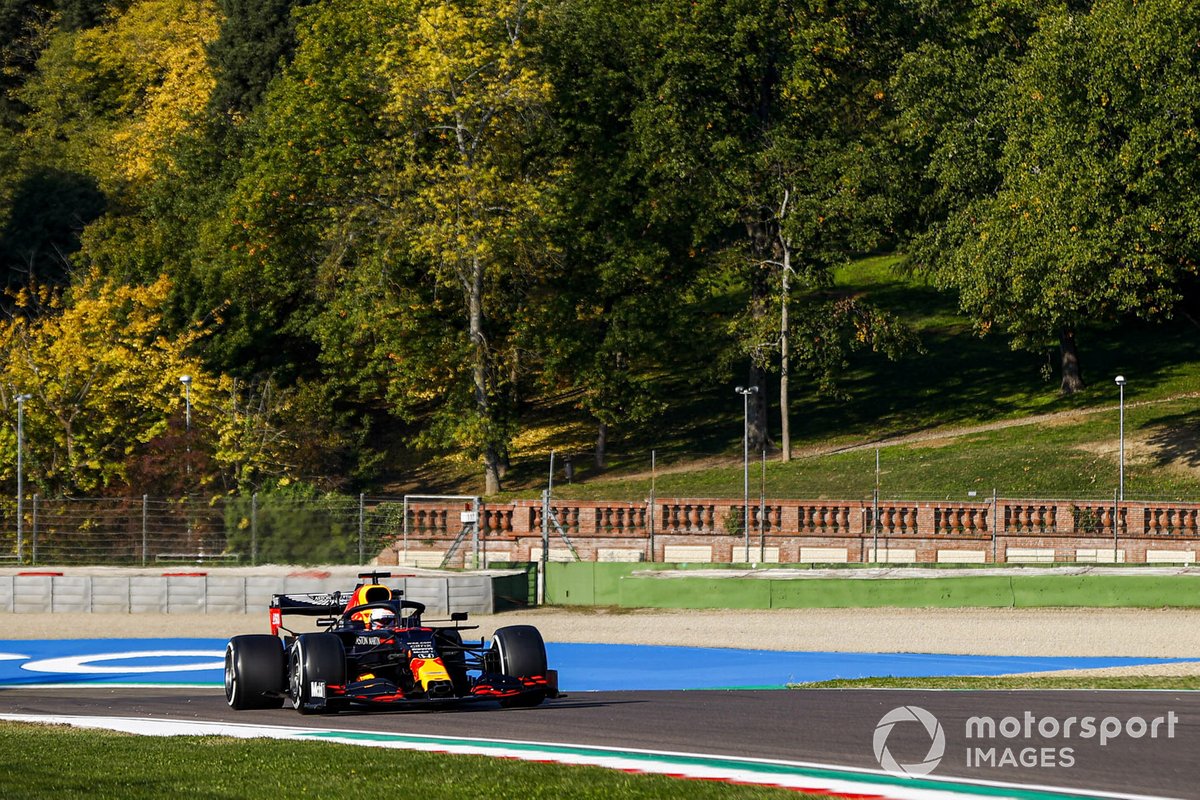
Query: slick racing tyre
pixel 254 672
pixel 518 651
pixel 316 660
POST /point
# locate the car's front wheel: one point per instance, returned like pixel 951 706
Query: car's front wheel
pixel 518 651
pixel 315 662
pixel 254 672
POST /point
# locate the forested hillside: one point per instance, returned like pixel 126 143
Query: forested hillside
pixel 368 230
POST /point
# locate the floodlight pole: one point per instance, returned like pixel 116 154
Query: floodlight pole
pixel 1121 453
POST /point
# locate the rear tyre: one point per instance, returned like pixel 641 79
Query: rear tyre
pixel 254 672
pixel 315 658
pixel 518 651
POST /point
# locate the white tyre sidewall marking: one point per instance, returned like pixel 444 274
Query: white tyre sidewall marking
pixel 83 665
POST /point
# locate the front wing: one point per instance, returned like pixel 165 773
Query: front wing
pixel 382 693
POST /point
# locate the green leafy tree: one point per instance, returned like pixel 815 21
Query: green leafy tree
pixel 761 121
pixel 468 91
pixel 1091 217
pixel 601 329
pixel 256 39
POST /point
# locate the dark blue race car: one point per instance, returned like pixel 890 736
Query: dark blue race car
pixel 374 651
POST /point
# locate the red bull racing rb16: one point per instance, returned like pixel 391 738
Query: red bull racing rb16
pixel 374 651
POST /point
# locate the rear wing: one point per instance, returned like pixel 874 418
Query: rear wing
pixel 306 605
pixel 323 604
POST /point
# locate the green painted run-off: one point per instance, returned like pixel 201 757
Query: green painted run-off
pixel 602 584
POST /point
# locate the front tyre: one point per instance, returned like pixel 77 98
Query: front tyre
pixel 254 672
pixel 519 652
pixel 315 662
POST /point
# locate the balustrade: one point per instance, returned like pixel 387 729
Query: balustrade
pixel 949 520
pixel 1030 517
pixel 1170 520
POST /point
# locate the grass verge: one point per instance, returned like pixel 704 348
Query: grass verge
pixel 39 761
pixel 1009 682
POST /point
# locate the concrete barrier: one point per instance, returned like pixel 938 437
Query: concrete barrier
pixel 217 592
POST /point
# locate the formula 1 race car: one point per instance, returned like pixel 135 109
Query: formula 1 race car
pixel 374 651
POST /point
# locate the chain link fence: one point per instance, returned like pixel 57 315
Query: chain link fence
pixel 243 529
pixel 441 531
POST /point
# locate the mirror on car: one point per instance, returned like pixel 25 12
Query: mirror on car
pixel 459 616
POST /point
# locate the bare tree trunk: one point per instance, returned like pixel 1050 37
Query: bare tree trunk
pixel 491 456
pixel 764 240
pixel 601 445
pixel 785 428
pixel 1072 373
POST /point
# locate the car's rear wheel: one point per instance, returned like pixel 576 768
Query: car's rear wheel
pixel 254 672
pixel 518 651
pixel 316 661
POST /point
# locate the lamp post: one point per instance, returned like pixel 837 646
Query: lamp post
pixel 745 393
pixel 1121 451
pixel 21 398
pixel 186 380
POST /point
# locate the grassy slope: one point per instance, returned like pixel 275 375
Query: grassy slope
pixel 961 380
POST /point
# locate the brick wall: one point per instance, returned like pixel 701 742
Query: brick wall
pixel 709 529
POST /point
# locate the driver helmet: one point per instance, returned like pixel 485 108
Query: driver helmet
pixel 382 618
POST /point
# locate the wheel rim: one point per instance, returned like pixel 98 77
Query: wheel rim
pixel 294 677
pixel 501 661
pixel 230 677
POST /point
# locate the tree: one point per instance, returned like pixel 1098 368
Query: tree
pixel 103 371
pixel 467 90
pixel 600 328
pixel 106 108
pixel 760 120
pixel 25 27
pixel 299 254
pixel 106 414
pixel 1093 217
pixel 256 38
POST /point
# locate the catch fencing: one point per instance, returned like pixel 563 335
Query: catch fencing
pixel 337 529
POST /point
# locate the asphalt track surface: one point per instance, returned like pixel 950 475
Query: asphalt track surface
pixel 831 726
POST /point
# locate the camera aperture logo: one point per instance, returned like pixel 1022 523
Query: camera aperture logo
pixel 1025 740
pixel 933 728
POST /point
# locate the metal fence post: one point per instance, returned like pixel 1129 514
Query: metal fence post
pixel 145 538
pixel 1116 522
pixel 995 521
pixel 762 511
pixel 541 584
pixel 361 550
pixel 254 529
pixel 653 465
pixel 478 564
pixel 875 516
pixel 33 555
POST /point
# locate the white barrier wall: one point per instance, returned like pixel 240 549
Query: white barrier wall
pixel 219 594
